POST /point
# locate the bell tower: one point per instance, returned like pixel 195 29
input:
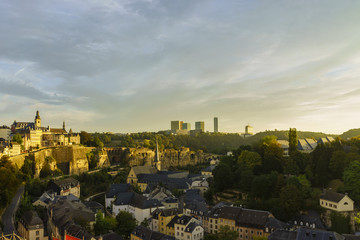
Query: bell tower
pixel 37 120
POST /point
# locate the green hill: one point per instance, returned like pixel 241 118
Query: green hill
pixel 350 133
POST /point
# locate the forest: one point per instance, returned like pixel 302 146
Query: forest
pixel 286 186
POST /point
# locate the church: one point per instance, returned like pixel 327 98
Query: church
pixel 36 136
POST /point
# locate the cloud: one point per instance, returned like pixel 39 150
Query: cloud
pixel 136 65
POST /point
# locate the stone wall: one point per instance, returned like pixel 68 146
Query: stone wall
pixel 69 159
pixel 168 157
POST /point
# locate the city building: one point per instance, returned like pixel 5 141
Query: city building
pixel 200 126
pixel 139 206
pixel 188 228
pixel 249 130
pixel 186 126
pixel 65 187
pixel 336 201
pixel 30 226
pixel 143 233
pixel 284 144
pixel 176 125
pixel 216 125
pixel 247 222
pixel 306 145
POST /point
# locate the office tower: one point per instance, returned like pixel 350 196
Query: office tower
pixel 249 130
pixel 200 126
pixel 216 125
pixel 186 126
pixel 176 125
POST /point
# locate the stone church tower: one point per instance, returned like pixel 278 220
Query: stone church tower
pixel 37 120
pixel 157 162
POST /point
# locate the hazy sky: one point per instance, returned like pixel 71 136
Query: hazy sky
pixel 133 65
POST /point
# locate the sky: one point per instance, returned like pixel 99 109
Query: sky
pixel 135 65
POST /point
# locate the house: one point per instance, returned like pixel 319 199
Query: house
pixel 160 218
pixel 139 206
pixel 188 228
pixel 201 184
pixel 208 170
pixel 30 226
pixel 64 213
pixel 336 201
pixel 135 171
pixel 325 140
pixel 113 191
pixel 284 144
pixel 142 233
pixel 312 220
pixel 305 234
pixel 160 193
pixel 247 222
pixel 170 202
pixel 65 187
pixel 306 145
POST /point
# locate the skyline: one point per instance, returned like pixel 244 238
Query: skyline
pixel 133 66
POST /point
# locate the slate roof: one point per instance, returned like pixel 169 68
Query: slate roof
pixel 245 217
pixel 144 170
pixel 146 234
pixel 63 211
pixel 351 237
pixel 124 198
pixel 78 232
pixel 117 188
pixel 172 222
pixel 332 196
pixel 314 234
pixel 66 183
pixel 308 219
pixel 306 144
pixel 183 220
pixel 171 183
pixel 325 140
pixel 31 218
pixel 110 236
pixel 282 235
pixel 191 227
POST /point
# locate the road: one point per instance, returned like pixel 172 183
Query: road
pixel 9 213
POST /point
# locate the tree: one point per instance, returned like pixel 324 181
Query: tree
pixel 249 159
pixel 223 177
pixel 292 140
pixel 85 138
pixel 126 223
pixel 338 163
pixel 340 223
pixel 351 179
pixel 98 143
pixel 226 233
pixel 17 138
pixel 104 224
pixel 291 199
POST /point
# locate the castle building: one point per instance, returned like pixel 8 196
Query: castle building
pixel 36 136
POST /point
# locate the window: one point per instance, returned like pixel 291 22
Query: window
pixel 37 233
pixel 345 203
pixel 335 206
pixel 252 231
